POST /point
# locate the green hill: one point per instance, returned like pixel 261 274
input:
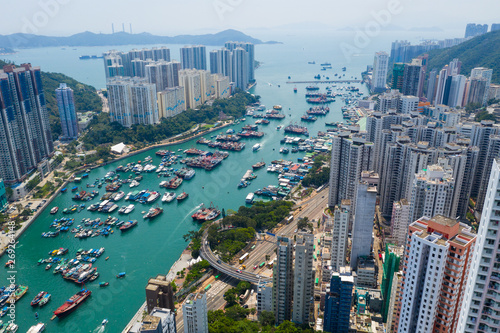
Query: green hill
pixel 481 51
pixel 86 98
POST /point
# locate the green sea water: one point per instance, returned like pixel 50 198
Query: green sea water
pixel 152 247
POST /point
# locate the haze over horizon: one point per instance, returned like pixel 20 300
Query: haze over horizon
pixel 67 17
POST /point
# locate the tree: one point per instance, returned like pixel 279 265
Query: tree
pixel 236 312
pixel 266 318
pixel 286 327
pixel 303 223
pixel 230 297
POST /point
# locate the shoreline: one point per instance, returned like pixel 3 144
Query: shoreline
pixel 6 238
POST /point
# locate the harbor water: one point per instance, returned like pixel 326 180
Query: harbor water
pixel 153 246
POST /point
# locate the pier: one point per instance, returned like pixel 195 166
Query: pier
pixel 324 81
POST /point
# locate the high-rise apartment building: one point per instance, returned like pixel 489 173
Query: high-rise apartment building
pixel 221 62
pixel 400 220
pixel 351 154
pixel 473 29
pixel 431 85
pixel 495 27
pixel 191 80
pixel 480 307
pixel 264 298
pixel 250 52
pixel 171 102
pixel 132 101
pixel 492 154
pixel 441 86
pixel 412 77
pixel 303 283
pixel 163 74
pixel 338 302
pixel 67 112
pixel 456 91
pixel 340 231
pixel 398 72
pixel 435 267
pixel 240 68
pixel 194 57
pixel 194 313
pixel 24 122
pixel 159 293
pixel 283 280
pixel 482 78
pixel 380 69
pixel 362 229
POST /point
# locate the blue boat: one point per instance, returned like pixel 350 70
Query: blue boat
pixel 64 190
pixel 120 275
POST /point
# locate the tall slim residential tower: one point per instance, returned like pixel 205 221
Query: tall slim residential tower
pixel 67 112
pixel 338 302
pixel 303 283
pixel 400 220
pixel 24 122
pixel 440 86
pixel 351 154
pixel 194 313
pixel 473 29
pixel 239 71
pixel 380 68
pixel 250 51
pixel 341 216
pixel 482 74
pixel 221 62
pixel 362 229
pixel 283 280
pixel 431 85
pixel 191 81
pixel 480 307
pixel 457 91
pixel 435 267
pixel 413 74
pixel 194 57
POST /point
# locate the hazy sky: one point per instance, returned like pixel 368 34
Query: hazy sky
pixel 167 17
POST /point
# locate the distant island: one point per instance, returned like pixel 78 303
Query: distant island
pixel 87 38
pixel 6 50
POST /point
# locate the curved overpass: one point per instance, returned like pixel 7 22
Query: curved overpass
pixel 207 254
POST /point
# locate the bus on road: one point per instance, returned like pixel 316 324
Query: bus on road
pixel 262 264
pixel 208 287
pixel 244 257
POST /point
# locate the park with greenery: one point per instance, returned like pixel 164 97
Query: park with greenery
pixel 103 131
pixel 319 173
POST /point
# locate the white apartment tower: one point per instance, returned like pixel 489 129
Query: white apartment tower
pixel 400 220
pixel 380 68
pixel 303 283
pixel 340 232
pixel 194 313
pixel 481 305
pixel 283 280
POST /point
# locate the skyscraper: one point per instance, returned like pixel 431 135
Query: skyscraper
pixel 194 57
pixel 457 91
pixel 194 313
pixel 303 284
pixel 24 122
pixel 440 86
pixel 380 69
pixel 190 79
pixel 283 280
pixel 163 74
pixel 67 112
pixel 495 27
pixel 221 62
pixel 435 267
pixel 338 302
pixel 412 75
pixel 250 52
pixel 171 102
pixel 351 154
pixel 480 302
pixel 473 29
pixel 132 101
pixel 431 86
pixel 397 76
pixel 362 228
pixel 400 220
pixel 240 68
pixel 341 216
pixel 482 78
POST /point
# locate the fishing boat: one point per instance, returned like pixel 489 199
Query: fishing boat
pixel 153 197
pixel 103 284
pixel 12 328
pixel 54 210
pixel 71 304
pixel 120 275
pixel 20 292
pixel 259 165
pixel 44 300
pixel 153 212
pixel 38 298
pixel 38 328
pixel 182 196
pixel 64 190
pixel 127 225
pixel 168 197
pixel 256 147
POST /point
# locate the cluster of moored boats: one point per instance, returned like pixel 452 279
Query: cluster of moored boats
pixel 206 213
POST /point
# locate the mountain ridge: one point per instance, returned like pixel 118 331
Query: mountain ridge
pixel 87 38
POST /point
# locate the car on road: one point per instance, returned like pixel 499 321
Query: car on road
pixel 255 267
pixel 239 271
pixel 218 261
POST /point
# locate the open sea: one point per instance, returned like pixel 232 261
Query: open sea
pixel 152 247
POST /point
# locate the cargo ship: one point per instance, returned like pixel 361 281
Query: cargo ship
pixel 311 88
pixel 71 304
pixel 308 118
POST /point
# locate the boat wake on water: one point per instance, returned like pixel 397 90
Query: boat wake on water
pixel 99 329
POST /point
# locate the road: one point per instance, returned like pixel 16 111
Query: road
pixel 311 208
